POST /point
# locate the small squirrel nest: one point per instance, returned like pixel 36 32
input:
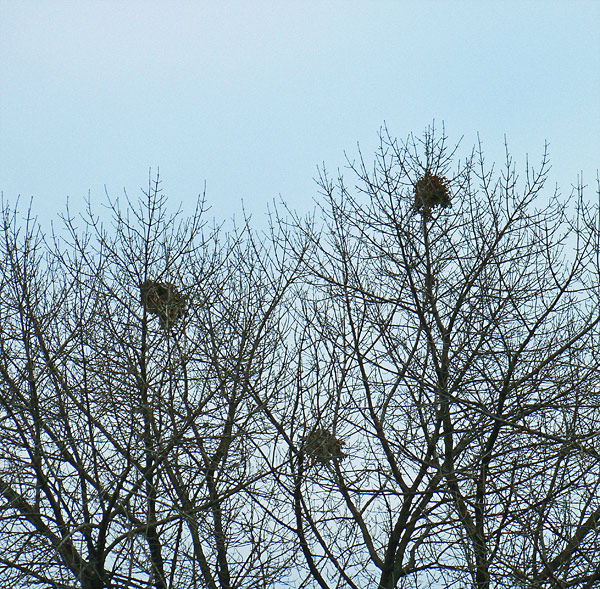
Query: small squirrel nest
pixel 322 446
pixel 163 300
pixel 430 191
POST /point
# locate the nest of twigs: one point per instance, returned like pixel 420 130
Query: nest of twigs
pixel 431 191
pixel 163 300
pixel 321 445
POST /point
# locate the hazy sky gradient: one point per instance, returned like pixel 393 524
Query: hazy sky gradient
pixel 251 96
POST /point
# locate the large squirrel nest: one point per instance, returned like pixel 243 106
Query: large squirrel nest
pixel 322 446
pixel 430 191
pixel 163 300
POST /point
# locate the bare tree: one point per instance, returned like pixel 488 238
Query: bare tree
pixel 448 333
pixel 402 393
pixel 131 364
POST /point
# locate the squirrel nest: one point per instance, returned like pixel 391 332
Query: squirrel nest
pixel 322 446
pixel 430 191
pixel 163 300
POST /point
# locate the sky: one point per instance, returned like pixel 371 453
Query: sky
pixel 248 98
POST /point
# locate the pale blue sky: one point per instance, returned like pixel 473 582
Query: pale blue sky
pixel 251 96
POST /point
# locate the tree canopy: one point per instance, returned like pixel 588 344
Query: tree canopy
pixel 399 390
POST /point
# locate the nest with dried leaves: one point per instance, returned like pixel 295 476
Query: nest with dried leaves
pixel 321 445
pixel 431 191
pixel 163 300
